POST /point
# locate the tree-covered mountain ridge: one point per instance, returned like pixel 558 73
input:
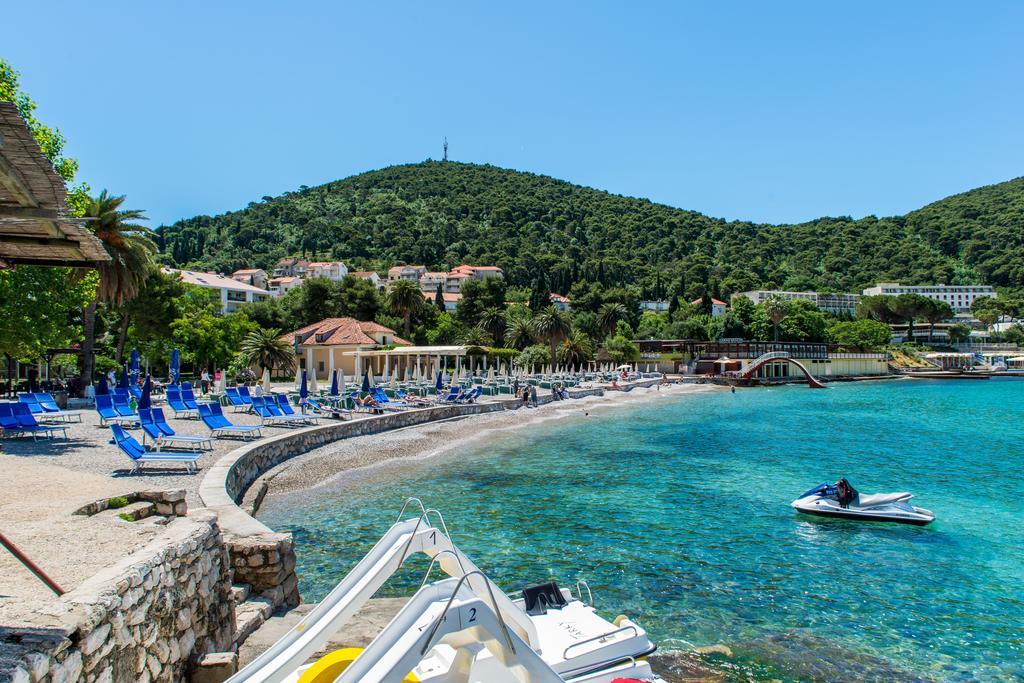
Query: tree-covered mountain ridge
pixel 535 227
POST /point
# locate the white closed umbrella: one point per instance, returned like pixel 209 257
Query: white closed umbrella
pixel 490 376
pixel 312 382
pixel 394 384
pixel 341 382
pixel 416 373
pixel 298 377
pixel 266 379
pixel 369 376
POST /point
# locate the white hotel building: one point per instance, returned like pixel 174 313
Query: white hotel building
pixel 959 297
pixel 233 294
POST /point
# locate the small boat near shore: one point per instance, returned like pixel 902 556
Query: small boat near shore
pixel 461 629
pixel 843 501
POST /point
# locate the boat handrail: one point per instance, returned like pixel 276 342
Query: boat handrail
pixel 412 536
pixel 494 605
pixel 630 627
pixel 433 562
pixel 419 502
pixel 448 535
pixel 579 592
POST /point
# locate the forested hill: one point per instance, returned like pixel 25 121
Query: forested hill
pixel 440 214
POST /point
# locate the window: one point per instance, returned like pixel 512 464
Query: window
pixel 320 366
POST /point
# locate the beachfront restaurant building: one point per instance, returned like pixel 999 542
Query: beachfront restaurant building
pixel 691 356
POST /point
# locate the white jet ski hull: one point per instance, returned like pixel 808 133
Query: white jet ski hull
pixel 900 512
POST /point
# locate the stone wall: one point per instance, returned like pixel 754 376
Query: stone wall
pixel 146 618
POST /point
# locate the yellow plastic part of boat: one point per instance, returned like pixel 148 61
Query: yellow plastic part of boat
pixel 329 667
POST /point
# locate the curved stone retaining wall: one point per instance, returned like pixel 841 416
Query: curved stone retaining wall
pixel 147 618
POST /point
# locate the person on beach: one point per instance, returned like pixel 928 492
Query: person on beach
pixel 515 387
pixel 533 396
pixel 526 397
pixel 259 390
pixel 204 382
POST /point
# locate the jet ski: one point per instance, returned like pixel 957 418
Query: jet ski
pixel 842 500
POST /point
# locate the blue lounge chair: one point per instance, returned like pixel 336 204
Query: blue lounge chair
pixel 243 393
pixel 121 403
pixel 155 426
pixel 105 408
pixel 470 396
pixel 236 400
pixel 51 409
pixel 177 405
pixel 27 422
pixel 328 410
pixel 188 398
pixel 140 456
pixel 384 402
pixel 213 417
pixel 269 413
pixel 453 395
pixel 286 408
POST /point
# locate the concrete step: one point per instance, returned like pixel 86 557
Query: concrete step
pixel 249 616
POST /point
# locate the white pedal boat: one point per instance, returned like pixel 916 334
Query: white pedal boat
pixel 462 629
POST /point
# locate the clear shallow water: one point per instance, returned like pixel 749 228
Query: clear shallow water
pixel 677 513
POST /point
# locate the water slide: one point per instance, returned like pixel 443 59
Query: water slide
pixel 812 382
pixel 387 555
pixel 446 609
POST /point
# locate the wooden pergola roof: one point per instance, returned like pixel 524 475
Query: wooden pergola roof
pixel 34 225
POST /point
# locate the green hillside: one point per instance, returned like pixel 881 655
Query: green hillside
pixel 441 214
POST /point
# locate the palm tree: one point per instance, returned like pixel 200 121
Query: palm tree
pixel 775 309
pixel 131 258
pixel 553 325
pixel 576 349
pixel 265 349
pixel 494 321
pixel 405 299
pixel 520 333
pixel 609 315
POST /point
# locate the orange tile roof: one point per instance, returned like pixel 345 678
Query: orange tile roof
pixel 716 302
pixel 343 332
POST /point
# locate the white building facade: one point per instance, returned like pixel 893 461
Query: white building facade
pixel 233 294
pixel 959 297
pixel 332 270
pixel 838 304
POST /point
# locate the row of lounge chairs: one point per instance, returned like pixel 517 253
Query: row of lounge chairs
pixel 16 419
pixel 44 407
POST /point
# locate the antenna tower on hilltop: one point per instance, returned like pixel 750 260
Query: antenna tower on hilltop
pixel 446 148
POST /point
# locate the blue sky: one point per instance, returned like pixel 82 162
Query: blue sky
pixel 779 112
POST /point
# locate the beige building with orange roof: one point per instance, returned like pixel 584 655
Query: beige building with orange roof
pixel 334 343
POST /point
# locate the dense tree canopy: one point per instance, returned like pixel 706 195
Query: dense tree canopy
pixel 549 235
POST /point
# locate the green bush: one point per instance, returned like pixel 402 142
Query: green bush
pixel 117 502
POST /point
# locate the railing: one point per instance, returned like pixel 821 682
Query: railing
pixel 771 355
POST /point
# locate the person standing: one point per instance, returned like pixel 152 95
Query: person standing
pixel 533 395
pixel 204 381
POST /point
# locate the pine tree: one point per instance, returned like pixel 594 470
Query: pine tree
pixel 439 298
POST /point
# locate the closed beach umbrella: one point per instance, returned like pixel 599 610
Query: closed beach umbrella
pixel 439 384
pixel 490 376
pixel 299 377
pixel 366 383
pixel 266 380
pixel 101 387
pixel 303 392
pixel 341 384
pixel 394 384
pixel 175 370
pixel 144 400
pixel 334 383
pixel 134 366
pixel 369 376
pixel 312 383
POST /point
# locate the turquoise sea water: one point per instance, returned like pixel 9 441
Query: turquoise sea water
pixel 677 513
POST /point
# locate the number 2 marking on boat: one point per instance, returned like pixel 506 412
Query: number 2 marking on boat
pixel 472 615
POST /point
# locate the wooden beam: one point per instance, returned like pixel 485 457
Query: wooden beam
pixel 28 212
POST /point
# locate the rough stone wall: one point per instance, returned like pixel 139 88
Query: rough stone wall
pixel 147 618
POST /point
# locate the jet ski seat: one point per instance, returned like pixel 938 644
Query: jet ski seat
pixel 539 599
pixel 877 499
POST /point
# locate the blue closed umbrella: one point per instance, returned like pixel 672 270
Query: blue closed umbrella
pixel 366 383
pixel 101 387
pixel 134 366
pixel 144 401
pixel 122 383
pixel 334 383
pixel 440 382
pixel 303 392
pixel 175 370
